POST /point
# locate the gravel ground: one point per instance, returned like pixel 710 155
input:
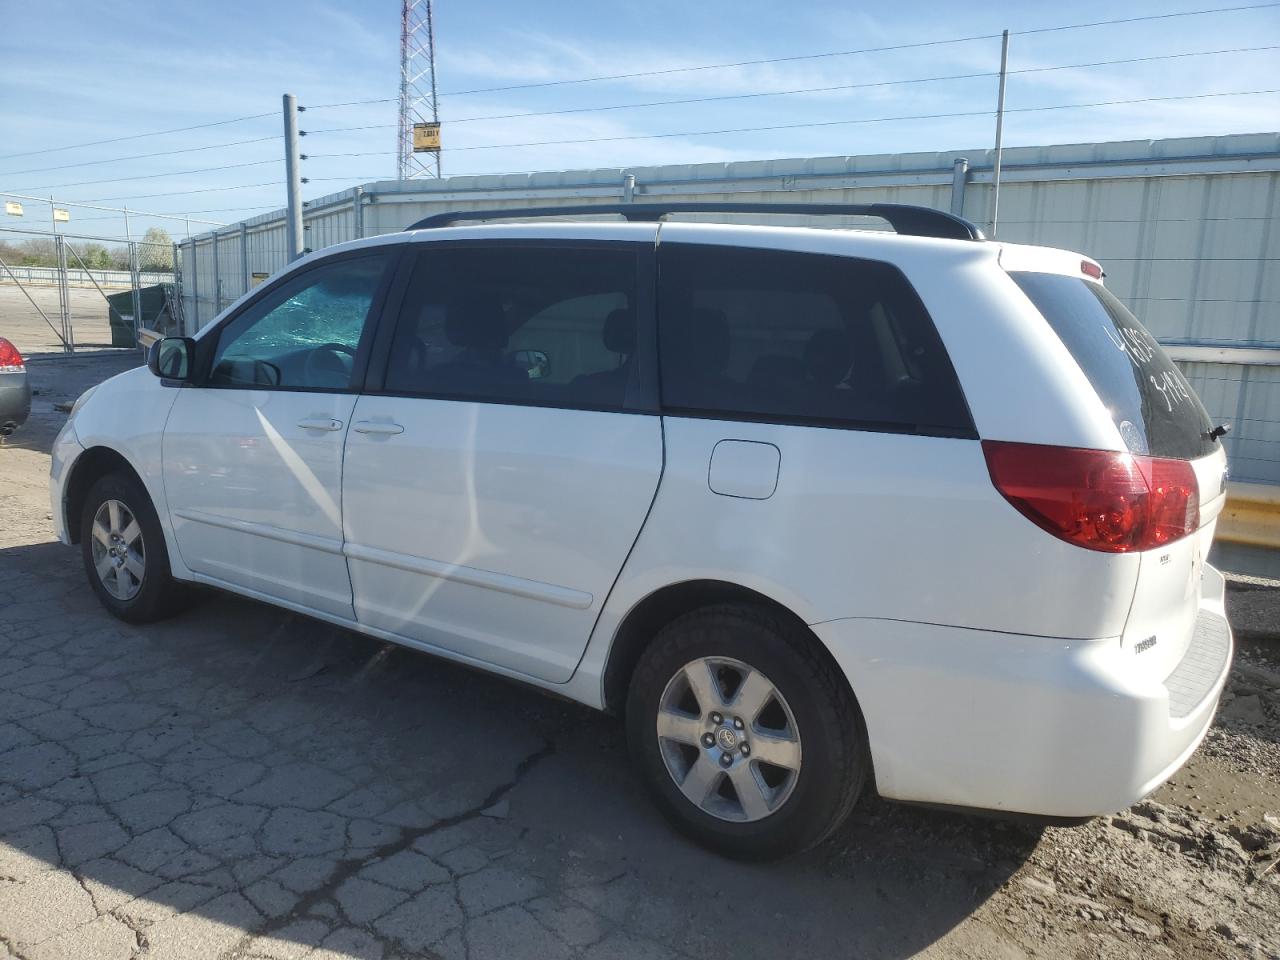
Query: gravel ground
pixel 241 782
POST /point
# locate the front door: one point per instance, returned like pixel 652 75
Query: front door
pixel 253 455
pixel 493 488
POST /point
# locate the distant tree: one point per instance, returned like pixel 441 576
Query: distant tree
pixel 155 253
pixel 119 257
pixel 94 256
pixel 39 252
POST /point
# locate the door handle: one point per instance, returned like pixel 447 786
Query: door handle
pixel 320 423
pixel 383 428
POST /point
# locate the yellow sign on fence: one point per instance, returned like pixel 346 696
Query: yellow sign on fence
pixel 426 138
pixel 13 208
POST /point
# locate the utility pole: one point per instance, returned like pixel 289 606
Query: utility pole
pixel 995 178
pixel 293 180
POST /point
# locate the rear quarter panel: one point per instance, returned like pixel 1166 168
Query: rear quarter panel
pixel 1019 380
pixel 871 525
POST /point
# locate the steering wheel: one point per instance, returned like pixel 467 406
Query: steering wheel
pixel 329 365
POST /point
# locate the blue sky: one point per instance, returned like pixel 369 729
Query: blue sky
pixel 72 72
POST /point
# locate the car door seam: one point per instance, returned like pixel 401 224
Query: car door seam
pixel 164 476
pixel 652 342
pixel 342 487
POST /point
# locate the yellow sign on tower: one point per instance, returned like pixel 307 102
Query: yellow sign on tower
pixel 426 138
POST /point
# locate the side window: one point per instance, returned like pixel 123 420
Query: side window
pixel 305 333
pixel 523 324
pixel 801 337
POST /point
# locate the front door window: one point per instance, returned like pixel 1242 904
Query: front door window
pixel 304 335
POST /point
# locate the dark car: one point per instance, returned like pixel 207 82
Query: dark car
pixel 15 391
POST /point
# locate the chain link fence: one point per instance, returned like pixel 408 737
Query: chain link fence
pixel 61 293
pixel 221 266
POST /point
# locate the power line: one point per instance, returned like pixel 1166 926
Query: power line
pixel 153 176
pixel 181 214
pixel 672 70
pixel 238 186
pixel 810 56
pixel 273 206
pixel 660 103
pixel 803 90
pixel 352 103
pixel 137 136
pixel 836 123
pixel 91 205
pixel 848 53
pixel 1147 17
pixel 719 66
pixel 370 153
pixel 138 156
pixel 371 126
pixel 183 193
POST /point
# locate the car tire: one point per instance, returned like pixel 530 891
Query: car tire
pixel 771 688
pixel 128 568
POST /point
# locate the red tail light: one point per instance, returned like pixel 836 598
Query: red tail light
pixel 10 358
pixel 1098 499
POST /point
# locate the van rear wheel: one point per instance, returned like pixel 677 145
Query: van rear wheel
pixel 749 740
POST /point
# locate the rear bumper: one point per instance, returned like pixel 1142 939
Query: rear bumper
pixel 1055 728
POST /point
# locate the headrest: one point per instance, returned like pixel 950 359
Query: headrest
pixel 620 331
pixel 827 356
pixel 707 340
pixel 476 321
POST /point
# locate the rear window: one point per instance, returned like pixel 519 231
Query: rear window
pixel 801 338
pixel 1151 402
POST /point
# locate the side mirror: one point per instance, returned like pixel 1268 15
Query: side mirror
pixel 535 363
pixel 172 358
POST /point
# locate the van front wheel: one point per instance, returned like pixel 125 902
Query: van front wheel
pixel 749 740
pixel 124 552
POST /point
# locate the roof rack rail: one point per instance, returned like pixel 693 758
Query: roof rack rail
pixel 904 218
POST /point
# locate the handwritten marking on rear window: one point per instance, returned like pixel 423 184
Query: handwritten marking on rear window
pixel 1140 347
pixel 1136 344
pixel 1172 388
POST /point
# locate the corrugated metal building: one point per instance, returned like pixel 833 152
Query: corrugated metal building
pixel 1186 229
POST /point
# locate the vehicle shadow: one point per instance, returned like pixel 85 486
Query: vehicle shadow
pixel 286 778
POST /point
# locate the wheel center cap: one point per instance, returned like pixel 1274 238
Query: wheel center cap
pixel 727 738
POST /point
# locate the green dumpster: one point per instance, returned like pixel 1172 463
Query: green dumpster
pixel 155 313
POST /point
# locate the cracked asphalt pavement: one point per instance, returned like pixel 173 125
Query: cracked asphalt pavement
pixel 242 782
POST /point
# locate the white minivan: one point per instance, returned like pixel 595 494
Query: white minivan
pixel 820 511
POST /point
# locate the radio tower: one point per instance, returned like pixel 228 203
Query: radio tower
pixel 417 88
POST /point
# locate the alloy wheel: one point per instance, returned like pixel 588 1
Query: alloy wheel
pixel 728 739
pixel 119 553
